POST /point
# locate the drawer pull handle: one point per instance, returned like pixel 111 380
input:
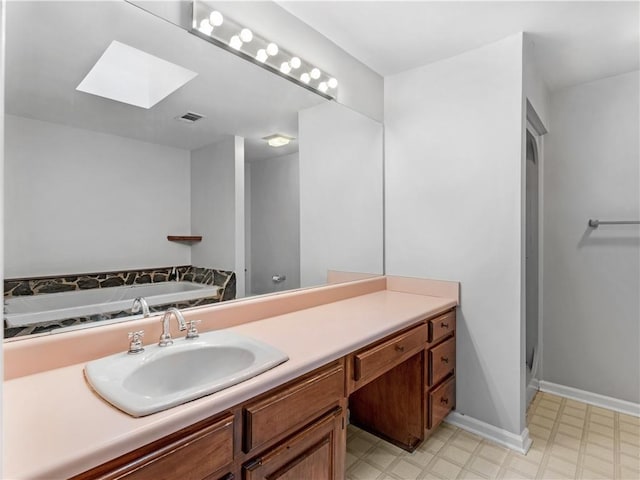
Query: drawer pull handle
pixel 444 325
pixel 444 400
pixel 399 348
pixel 444 359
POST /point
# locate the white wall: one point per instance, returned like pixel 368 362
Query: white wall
pixel 275 223
pixel 453 154
pixel 213 205
pixel 341 226
pixel 81 201
pixel 592 277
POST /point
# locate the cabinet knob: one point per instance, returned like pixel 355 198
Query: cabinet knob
pixel 444 325
pixel 444 359
pixel 444 400
pixel 399 348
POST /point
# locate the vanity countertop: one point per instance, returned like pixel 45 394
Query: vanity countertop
pixel 55 426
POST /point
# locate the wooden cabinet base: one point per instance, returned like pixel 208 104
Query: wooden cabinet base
pixel 392 406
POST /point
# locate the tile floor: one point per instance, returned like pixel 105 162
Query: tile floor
pixel 571 440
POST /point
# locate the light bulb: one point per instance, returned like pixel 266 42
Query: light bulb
pixel 315 73
pixel 216 18
pixel 285 67
pixel 205 27
pixel 278 140
pixel 295 62
pixel 246 35
pixel 235 42
pixel 262 56
pixel 272 49
pixel 323 87
pixel 304 78
pixel 333 83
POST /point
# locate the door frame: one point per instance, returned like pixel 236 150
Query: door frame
pixel 537 130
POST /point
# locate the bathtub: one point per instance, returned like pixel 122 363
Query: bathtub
pixel 29 309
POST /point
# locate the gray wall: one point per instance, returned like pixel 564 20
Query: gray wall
pixel 213 205
pixel 591 329
pixel 453 156
pixel 275 223
pixel 81 201
pixel 340 193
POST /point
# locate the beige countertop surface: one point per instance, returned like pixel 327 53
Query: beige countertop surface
pixel 55 426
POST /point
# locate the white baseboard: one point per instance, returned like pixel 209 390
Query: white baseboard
pixel 591 398
pixel 519 443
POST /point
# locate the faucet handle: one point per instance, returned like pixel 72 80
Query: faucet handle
pixel 193 331
pixel 135 346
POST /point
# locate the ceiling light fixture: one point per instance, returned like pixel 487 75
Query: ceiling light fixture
pixel 213 26
pixel 278 140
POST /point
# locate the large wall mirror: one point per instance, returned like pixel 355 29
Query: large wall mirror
pixel 103 196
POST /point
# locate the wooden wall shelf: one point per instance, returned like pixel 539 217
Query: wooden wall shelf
pixel 184 238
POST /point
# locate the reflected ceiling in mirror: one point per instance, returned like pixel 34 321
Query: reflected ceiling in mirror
pixel 235 97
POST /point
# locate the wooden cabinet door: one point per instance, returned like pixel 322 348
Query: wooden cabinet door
pixel 314 453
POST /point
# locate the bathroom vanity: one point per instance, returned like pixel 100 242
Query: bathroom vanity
pixel 382 349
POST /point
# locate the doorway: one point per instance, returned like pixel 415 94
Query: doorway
pixel 532 346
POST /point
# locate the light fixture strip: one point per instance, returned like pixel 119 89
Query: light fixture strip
pixel 213 26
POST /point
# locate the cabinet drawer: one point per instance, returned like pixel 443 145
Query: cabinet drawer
pixel 441 401
pixel 442 326
pixel 309 454
pixel 197 453
pixel 293 406
pixel 442 361
pixel 371 363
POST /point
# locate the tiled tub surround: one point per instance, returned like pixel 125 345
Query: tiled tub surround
pixel 71 430
pixel 67 283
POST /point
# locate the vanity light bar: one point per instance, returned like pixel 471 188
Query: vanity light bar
pixel 215 27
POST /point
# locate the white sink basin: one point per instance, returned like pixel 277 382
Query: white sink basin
pixel 163 377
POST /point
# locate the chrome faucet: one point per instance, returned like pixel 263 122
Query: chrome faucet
pixel 165 338
pixel 140 304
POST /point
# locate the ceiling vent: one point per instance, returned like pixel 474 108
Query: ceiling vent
pixel 190 117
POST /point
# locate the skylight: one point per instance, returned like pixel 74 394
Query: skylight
pixel 128 75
